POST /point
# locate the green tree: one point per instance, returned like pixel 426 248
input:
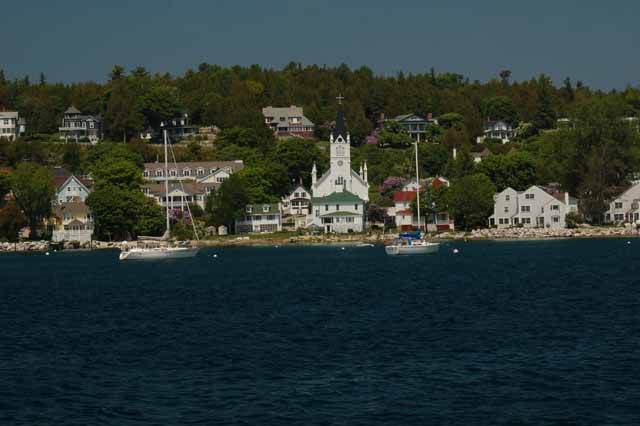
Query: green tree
pixel 298 157
pixel 228 203
pixel 151 219
pixel 545 116
pixel 71 157
pixel 433 159
pixel 500 108
pixel 159 104
pixel 5 186
pixel 516 170
pixel 11 221
pixel 33 192
pixel 463 164
pixel 122 118
pixel 470 200
pixel 450 120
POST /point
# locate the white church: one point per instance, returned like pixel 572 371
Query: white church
pixel 339 195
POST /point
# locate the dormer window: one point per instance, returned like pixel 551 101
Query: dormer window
pixel 265 208
pixel 212 170
pixel 173 173
pixel 146 173
pixel 200 172
pixel 159 173
pixel 249 209
pixel 186 172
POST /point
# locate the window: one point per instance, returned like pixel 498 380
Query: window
pixel 146 173
pixel 529 196
pixel 355 206
pixel 317 212
pixel 337 207
pixel 186 172
pixel 618 205
pixel 555 219
pixel 340 180
pixel 507 197
pixel 555 207
pixel 220 179
pixel 173 173
pixel 326 207
pixel 249 209
pixel 92 125
pixel 266 208
pixel 618 217
pixel 200 172
pixel 158 173
pixel 506 209
pixel 525 209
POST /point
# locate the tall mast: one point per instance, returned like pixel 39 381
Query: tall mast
pixel 166 179
pixel 418 186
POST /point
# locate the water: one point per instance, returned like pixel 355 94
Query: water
pixel 522 333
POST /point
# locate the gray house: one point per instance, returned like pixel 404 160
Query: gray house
pixel 536 207
pixel 80 127
pixel 288 121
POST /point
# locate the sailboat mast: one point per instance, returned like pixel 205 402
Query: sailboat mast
pixel 166 179
pixel 418 186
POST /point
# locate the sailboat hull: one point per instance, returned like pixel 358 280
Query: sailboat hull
pixel 402 250
pixel 159 253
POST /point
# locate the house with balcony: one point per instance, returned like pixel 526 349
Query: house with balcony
pixel 296 208
pixel 178 128
pixel 181 194
pixel 536 207
pixel 625 208
pixel 415 125
pixel 288 121
pixel 497 130
pixel 260 218
pixel 80 127
pixel 72 221
pixel 12 126
pixel 206 172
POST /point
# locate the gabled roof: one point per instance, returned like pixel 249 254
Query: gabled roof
pixel 338 197
pixel 8 114
pixel 72 110
pixel 258 209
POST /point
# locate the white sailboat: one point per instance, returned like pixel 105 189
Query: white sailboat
pixel 154 248
pixel 409 243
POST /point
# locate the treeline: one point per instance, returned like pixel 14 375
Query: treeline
pixel 131 100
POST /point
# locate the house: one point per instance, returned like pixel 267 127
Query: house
pixel 72 221
pixel 499 129
pixel 288 121
pixel 177 128
pixel 406 219
pixel 70 188
pixel 625 208
pixel 296 207
pixel 536 207
pixel 12 126
pixel 340 194
pixel 260 218
pixel 80 127
pixel 416 126
pixel 197 171
pixel 479 156
pixel 181 194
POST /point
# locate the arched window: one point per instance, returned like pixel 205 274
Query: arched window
pixel 340 180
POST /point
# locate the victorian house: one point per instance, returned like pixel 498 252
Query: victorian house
pixel 296 208
pixel 288 121
pixel 80 127
pixel 12 126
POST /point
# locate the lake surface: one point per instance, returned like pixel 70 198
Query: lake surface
pixel 508 333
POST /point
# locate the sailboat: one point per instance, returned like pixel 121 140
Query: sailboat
pixel 409 243
pixel 154 248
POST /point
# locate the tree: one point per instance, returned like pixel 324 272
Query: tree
pixel 115 211
pixel 545 116
pixel 394 136
pixel 5 186
pixel 470 201
pixel 11 221
pixel 159 104
pixel 504 76
pixel 463 164
pixel 71 157
pixel 228 203
pixel 298 157
pixel 450 120
pixel 151 219
pixel 516 170
pixel 33 192
pixel 376 213
pixel 500 108
pixel 123 118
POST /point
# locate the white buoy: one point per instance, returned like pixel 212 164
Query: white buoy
pixel 342 248
pixel 628 242
pixel 456 251
pixel 46 254
pixel 215 255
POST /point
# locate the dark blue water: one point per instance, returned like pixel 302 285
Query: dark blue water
pixel 526 333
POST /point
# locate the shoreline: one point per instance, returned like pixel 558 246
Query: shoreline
pixel 265 240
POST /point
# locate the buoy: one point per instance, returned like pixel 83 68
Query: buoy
pixel 342 248
pixel 215 255
pixel 456 251
pixel 46 254
pixel 628 242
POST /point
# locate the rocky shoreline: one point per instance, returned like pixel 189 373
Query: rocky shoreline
pixel 475 235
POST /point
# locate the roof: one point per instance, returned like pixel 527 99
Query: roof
pixel 258 208
pixel 484 153
pixel 74 209
pixel 404 196
pixel 72 110
pixel 60 176
pixel 341 128
pixel 234 165
pixel 338 197
pixel 413 116
pixel 8 114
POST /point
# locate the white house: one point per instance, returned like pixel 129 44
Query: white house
pixel 260 218
pixel 340 194
pixel 499 129
pixel 536 207
pixel 206 172
pixel 625 208
pixel 180 195
pixel 296 207
pixel 11 125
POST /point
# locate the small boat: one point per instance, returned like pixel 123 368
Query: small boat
pixel 411 242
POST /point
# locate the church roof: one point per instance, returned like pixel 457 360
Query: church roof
pixel 338 197
pixel 340 129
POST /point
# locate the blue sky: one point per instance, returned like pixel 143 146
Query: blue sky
pixel 73 40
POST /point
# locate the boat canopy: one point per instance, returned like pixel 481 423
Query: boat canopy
pixel 415 235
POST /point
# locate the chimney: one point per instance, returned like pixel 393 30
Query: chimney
pixel 430 116
pixel 566 199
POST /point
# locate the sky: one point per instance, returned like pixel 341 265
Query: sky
pixel 80 40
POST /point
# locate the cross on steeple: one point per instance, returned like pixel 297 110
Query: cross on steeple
pixel 340 98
